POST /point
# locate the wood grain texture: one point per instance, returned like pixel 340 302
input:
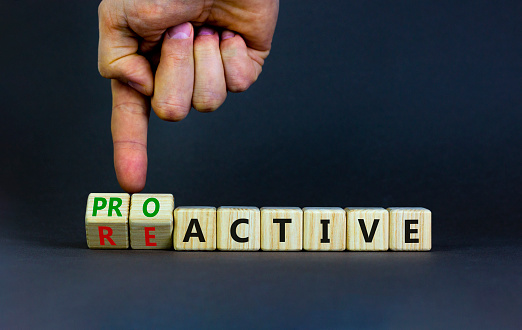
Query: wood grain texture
pixel 407 223
pixel 206 220
pixel 100 221
pixel 270 229
pixel 226 216
pixel 324 229
pixel 356 234
pixel 152 227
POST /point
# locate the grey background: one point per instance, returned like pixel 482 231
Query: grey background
pixel 403 103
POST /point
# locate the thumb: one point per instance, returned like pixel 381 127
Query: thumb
pixel 117 53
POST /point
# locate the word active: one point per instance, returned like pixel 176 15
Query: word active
pixel 150 221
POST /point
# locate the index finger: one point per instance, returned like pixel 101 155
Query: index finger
pixel 130 120
pixel 118 56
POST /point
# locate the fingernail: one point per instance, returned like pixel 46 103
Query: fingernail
pixel 206 31
pixel 227 35
pixel 181 31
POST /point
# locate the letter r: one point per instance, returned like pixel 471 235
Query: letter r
pixel 105 233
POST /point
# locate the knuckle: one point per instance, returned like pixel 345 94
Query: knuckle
pixel 207 100
pixel 129 108
pixel 101 8
pixel 240 83
pixel 177 56
pixel 104 72
pixel 153 10
pixel 129 145
pixel 206 106
pixel 170 110
pixel 203 53
pixel 229 53
pixel 119 68
pixel 104 14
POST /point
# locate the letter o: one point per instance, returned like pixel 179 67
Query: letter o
pixel 156 207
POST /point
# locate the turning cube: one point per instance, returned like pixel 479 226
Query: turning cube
pixel 410 229
pixel 106 221
pixel 367 228
pixel 151 221
pixel 324 229
pixel 238 228
pixel 281 229
pixel 195 228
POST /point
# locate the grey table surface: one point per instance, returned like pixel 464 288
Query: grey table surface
pixel 53 284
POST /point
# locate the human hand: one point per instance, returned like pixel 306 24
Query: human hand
pixel 171 55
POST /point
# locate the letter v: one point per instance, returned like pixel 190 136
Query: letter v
pixel 368 238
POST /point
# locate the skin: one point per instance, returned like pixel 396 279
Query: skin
pixel 152 64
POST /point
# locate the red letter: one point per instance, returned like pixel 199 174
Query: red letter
pixel 107 235
pixel 148 236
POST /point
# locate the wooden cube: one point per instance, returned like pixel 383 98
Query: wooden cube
pixel 238 228
pixel 324 229
pixel 410 229
pixel 151 221
pixel 106 221
pixel 281 229
pixel 195 228
pixel 367 229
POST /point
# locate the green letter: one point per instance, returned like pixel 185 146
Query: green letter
pixel 115 207
pixel 156 207
pixel 97 205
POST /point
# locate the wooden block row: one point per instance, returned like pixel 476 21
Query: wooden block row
pixel 152 222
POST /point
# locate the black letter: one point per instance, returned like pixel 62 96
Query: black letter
pixel 282 227
pixel 408 231
pixel 198 233
pixel 233 231
pixel 368 238
pixel 325 238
